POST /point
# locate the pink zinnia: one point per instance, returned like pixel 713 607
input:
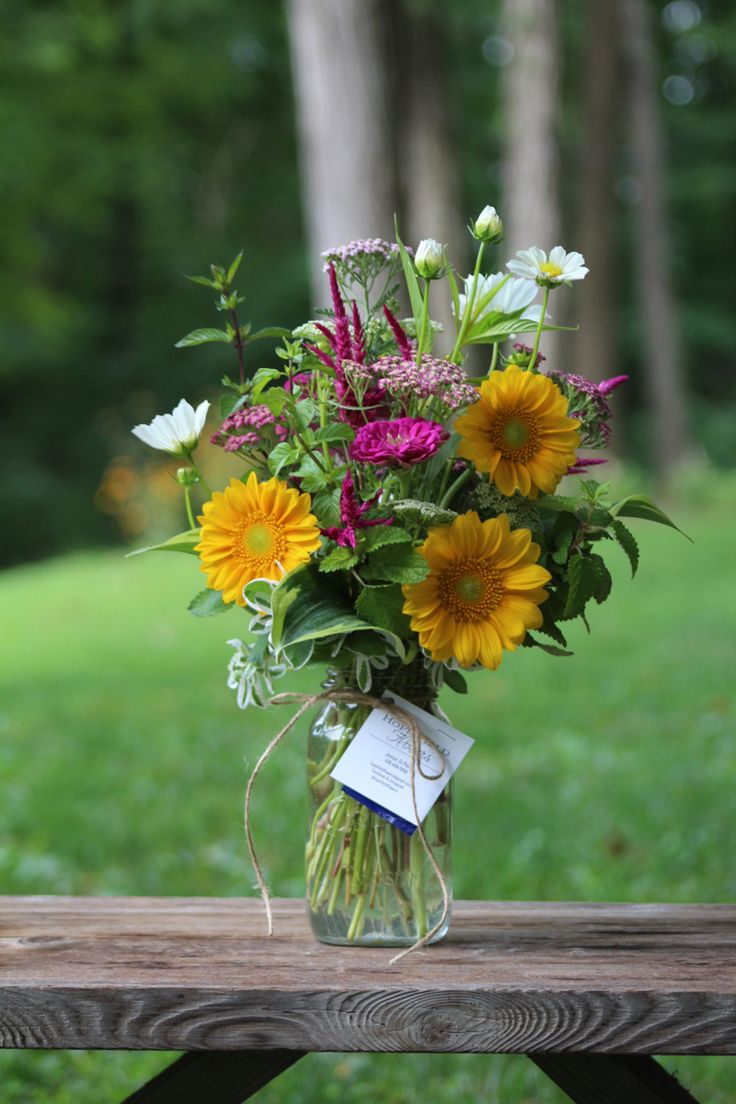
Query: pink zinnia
pixel 401 442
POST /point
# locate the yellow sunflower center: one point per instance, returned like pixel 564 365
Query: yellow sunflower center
pixel 550 269
pixel 515 434
pixel 470 589
pixel 259 540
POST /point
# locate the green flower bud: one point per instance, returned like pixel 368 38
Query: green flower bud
pixel 429 259
pixel 186 477
pixel 488 227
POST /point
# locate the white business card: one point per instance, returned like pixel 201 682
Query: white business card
pixel 377 762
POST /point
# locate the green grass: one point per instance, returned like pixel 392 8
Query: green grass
pixel 608 776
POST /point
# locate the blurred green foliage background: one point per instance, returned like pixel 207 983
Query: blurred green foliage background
pixel 142 141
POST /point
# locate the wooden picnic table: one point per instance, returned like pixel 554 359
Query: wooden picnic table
pixel 588 991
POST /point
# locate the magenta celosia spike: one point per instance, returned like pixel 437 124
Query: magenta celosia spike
pixel 343 344
pixel 401 339
pixel 326 333
pixel 582 463
pixel 358 336
pixel 608 385
pixel 320 355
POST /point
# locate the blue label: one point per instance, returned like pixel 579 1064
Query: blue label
pixel 394 820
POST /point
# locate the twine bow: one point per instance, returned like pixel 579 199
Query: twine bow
pixel 354 697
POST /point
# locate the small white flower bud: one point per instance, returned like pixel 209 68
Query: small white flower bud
pixel 488 227
pixel 429 258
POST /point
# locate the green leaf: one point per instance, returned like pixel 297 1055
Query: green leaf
pixel 549 628
pixel 639 506
pixel 455 680
pixel 563 547
pixel 627 540
pixel 583 580
pixel 398 564
pixel 415 512
pixel 312 476
pixel 234 267
pixel 383 607
pixel 495 326
pixel 308 606
pixel 262 378
pixel 281 455
pixel 339 559
pixel 207 603
pixel 455 301
pixel 305 412
pixel 275 399
pixel 182 542
pixel 379 535
pixel 269 331
pixel 605 582
pixel 337 432
pixel 202 337
pixel 559 503
pixel 530 641
pixel 412 283
pixel 203 280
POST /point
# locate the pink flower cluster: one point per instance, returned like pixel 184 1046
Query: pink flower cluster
pixel 399 443
pixel 254 419
pixel 432 378
pixel 361 247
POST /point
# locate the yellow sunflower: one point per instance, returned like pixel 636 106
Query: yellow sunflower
pixel 519 431
pixel 482 593
pixel 252 531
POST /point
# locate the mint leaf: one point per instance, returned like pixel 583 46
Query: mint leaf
pixel 397 564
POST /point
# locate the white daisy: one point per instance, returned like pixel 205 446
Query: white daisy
pixel 178 432
pixel 515 295
pixel 559 268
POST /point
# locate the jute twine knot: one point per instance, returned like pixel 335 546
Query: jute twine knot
pixel 418 737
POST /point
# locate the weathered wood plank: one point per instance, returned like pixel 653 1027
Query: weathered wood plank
pixel 227 1078
pixel 200 975
pixel 613 1079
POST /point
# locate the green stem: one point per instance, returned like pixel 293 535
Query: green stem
pixel 469 304
pixel 188 501
pixel 321 394
pixel 540 325
pixel 494 358
pixel 455 487
pixel 425 321
pixel 199 475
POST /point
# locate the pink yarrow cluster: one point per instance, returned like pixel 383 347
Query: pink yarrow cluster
pixel 253 419
pixel 401 442
pixel 361 247
pixel 432 378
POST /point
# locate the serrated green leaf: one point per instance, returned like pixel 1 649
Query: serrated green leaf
pixel 627 540
pixel 326 506
pixel 339 559
pixel 396 563
pixel 275 399
pixel 202 337
pixel 582 579
pixel 337 432
pixel 312 476
pixel 415 512
pixel 305 412
pixel 379 535
pixel 281 455
pixel 455 680
pixel 182 542
pixel 530 641
pixel 382 606
pixel 208 603
pixel 549 628
pixel 262 378
pixel 559 503
pixel 563 547
pixel 234 267
pixel 604 580
pixel 639 506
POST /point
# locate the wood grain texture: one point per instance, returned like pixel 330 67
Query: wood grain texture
pixel 200 974
pixel 227 1078
pixel 613 1079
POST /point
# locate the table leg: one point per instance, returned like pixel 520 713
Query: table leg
pixel 612 1079
pixel 215 1077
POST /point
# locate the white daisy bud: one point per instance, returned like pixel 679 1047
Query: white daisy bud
pixel 488 227
pixel 429 258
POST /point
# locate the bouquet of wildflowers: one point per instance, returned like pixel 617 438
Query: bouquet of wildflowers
pixel 386 512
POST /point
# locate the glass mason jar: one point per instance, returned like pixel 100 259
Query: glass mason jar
pixel 368 883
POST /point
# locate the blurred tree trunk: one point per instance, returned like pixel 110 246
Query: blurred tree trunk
pixel 531 210
pixel 661 350
pixel 341 84
pixel 595 345
pixel 427 165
